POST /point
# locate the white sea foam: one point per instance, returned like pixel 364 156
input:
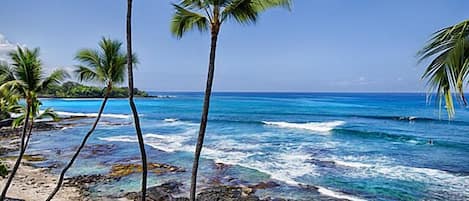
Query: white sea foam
pixel 170 120
pixel 322 127
pixel 166 143
pixel 381 167
pixel 284 167
pixel 79 114
pixel 351 164
pixel 339 195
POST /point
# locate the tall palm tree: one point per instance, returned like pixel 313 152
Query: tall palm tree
pixel 27 77
pixel 447 72
pixel 105 66
pixel 210 15
pixel 138 129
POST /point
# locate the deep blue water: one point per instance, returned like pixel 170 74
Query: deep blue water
pixel 355 146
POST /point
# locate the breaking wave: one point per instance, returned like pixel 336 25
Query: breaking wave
pixel 312 126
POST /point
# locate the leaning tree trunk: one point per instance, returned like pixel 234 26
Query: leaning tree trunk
pixel 20 156
pixel 29 134
pixel 204 118
pixel 138 129
pixel 70 163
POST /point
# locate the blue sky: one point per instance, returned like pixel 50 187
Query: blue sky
pixel 327 45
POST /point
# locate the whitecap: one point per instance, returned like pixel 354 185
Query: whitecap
pixel 322 127
pixel 79 114
pixel 170 120
pixel 338 195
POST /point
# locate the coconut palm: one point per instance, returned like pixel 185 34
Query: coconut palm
pixel 26 76
pixel 138 129
pixel 210 15
pixel 8 103
pixel 34 114
pixel 8 98
pixel 448 70
pixel 105 66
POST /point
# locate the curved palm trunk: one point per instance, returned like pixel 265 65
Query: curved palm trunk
pixel 204 118
pixel 138 129
pixel 29 134
pixel 70 163
pixel 20 156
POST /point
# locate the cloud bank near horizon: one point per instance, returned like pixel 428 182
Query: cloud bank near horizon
pixel 6 47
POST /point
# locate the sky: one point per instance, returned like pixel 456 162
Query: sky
pixel 318 46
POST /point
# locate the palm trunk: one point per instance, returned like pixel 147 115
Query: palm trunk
pixel 70 163
pixel 29 134
pixel 20 156
pixel 204 118
pixel 138 129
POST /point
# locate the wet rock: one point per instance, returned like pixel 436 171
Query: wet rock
pixel 30 158
pixel 163 192
pixel 83 182
pixel 120 170
pixel 265 185
pixel 221 166
pixel 322 163
pixel 94 150
pixel 225 193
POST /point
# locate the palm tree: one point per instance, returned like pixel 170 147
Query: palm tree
pixel 26 76
pixel 210 15
pixel 105 66
pixel 8 103
pixel 449 50
pixel 8 98
pixel 138 129
pixel 35 113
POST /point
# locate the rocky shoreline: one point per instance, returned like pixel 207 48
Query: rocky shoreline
pixel 36 181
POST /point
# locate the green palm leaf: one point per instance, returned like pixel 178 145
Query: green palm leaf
pixel 449 68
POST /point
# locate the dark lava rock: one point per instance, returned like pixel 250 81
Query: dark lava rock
pixel 225 193
pixel 94 150
pixel 84 181
pixel 162 192
pixel 264 185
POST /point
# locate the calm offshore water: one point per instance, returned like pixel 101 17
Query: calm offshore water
pixel 355 146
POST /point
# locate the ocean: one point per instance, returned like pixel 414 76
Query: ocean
pixel 356 146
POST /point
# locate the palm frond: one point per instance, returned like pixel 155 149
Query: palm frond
pixel 448 71
pixel 56 77
pixel 6 73
pixel 105 65
pixel 85 74
pixel 185 20
pixel 243 11
pixel 48 113
pixel 27 66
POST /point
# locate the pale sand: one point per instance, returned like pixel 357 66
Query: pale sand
pixel 35 184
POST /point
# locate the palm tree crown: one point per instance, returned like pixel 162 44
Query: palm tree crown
pixel 210 14
pixel 26 75
pixel 106 65
pixel 447 72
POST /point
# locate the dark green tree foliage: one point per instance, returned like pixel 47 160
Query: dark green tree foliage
pixel 77 90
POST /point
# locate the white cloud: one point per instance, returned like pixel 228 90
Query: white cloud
pixel 6 47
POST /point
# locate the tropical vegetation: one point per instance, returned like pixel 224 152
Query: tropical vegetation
pixel 205 15
pixel 105 65
pixel 72 89
pixel 448 71
pixel 26 77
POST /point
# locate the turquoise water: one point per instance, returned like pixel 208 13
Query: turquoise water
pixel 353 146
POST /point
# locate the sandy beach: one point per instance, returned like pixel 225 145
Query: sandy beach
pixel 33 184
